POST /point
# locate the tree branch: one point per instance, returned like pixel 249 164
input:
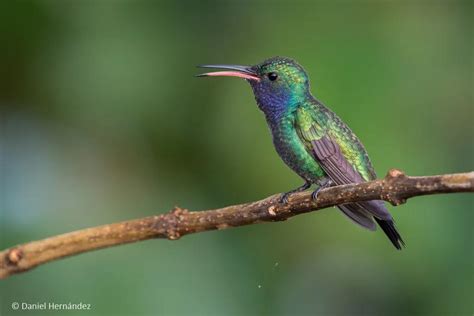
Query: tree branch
pixel 395 188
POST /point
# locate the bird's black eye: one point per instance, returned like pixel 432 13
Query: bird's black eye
pixel 272 76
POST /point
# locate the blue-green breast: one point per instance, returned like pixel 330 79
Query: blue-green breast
pixel 291 149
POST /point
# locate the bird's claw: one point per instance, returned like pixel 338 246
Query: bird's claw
pixel 314 195
pixel 284 198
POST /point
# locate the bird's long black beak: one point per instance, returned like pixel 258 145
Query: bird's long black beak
pixel 245 72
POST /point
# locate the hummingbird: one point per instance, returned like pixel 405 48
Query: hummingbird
pixel 310 138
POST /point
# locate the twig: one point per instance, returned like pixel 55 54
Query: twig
pixel 395 188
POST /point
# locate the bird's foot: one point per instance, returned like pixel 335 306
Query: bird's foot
pixel 314 195
pixel 284 196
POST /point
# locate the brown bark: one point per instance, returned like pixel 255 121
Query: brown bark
pixel 395 188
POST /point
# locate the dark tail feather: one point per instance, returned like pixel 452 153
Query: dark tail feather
pixel 359 215
pixel 388 227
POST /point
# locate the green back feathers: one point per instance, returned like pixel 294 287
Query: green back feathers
pixel 313 121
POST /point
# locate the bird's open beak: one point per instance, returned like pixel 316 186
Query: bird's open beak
pixel 245 72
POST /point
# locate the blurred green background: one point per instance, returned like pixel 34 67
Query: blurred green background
pixel 103 121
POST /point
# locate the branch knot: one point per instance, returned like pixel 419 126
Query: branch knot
pixel 391 185
pixel 171 222
pixel 14 256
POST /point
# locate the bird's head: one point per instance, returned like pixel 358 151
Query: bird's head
pixel 278 83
